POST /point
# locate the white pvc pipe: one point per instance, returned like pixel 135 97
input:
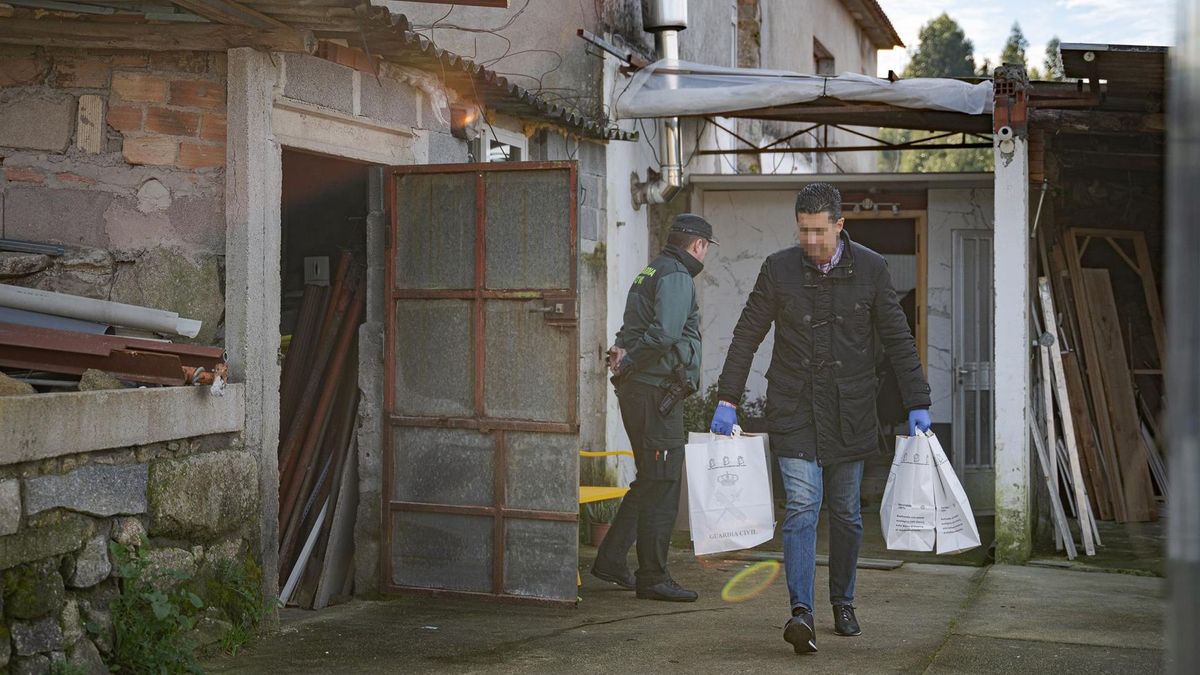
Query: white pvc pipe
pixel 101 311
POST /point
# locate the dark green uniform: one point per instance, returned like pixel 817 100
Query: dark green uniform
pixel 661 331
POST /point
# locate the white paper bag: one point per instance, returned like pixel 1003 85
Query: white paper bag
pixel 956 529
pixel 908 514
pixel 729 493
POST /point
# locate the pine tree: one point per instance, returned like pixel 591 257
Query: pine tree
pixel 1053 63
pixel 1014 48
pixel 943 51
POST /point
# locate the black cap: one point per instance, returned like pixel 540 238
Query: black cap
pixel 690 223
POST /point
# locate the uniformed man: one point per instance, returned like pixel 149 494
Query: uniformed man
pixel 656 364
pixel 829 299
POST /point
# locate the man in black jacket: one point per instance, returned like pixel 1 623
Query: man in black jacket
pixel 656 364
pixel 829 300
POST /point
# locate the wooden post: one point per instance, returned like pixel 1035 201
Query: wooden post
pixel 1064 409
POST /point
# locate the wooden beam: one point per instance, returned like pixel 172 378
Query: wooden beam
pixel 1122 407
pixel 1090 366
pixel 1095 121
pixel 230 12
pixel 1086 438
pixel 1064 411
pixel 157 37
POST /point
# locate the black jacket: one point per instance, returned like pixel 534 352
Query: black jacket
pixel 661 328
pixel 821 384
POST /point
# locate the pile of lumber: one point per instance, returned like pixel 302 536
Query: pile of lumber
pixel 1099 366
pixel 317 456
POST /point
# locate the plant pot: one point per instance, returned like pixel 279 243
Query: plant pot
pixel 597 532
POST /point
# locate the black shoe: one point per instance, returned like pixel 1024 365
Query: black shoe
pixel 844 622
pixel 668 591
pixel 800 633
pixel 624 578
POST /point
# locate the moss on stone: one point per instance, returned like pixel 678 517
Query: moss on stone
pixel 33 591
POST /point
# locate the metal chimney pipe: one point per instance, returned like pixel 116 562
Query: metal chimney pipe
pixel 665 18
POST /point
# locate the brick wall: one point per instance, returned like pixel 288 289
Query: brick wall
pixel 120 156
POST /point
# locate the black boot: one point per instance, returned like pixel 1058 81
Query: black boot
pixel 622 578
pixel 668 591
pixel 844 622
pixel 800 633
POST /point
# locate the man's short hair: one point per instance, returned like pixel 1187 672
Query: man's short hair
pixel 682 239
pixel 819 198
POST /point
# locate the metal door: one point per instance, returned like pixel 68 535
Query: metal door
pixel 481 466
pixel 973 380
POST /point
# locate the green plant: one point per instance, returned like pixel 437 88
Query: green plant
pixel 698 410
pixel 603 511
pixel 153 616
pixel 235 588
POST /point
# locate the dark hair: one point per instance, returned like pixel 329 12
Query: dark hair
pixel 682 239
pixel 819 198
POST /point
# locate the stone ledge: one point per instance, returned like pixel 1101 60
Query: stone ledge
pixel 43 426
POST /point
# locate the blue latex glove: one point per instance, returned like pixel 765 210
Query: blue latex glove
pixel 919 419
pixel 723 420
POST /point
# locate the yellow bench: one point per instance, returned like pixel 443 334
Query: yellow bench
pixel 589 494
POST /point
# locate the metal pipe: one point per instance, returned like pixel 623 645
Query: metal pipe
pixel 666 43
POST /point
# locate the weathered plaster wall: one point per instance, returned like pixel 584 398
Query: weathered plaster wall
pixel 949 210
pixel 140 204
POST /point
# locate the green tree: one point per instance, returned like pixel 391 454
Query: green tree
pixel 1053 63
pixel 1014 47
pixel 943 50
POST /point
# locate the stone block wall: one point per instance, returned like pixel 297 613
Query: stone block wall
pixel 120 156
pixel 195 501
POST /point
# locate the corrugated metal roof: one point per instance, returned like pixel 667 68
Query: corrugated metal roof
pixel 360 24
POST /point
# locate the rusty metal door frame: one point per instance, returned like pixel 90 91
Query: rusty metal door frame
pixel 477 296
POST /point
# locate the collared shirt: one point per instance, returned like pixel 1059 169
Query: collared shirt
pixel 837 257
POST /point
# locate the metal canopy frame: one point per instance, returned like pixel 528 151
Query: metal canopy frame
pixel 780 145
pixel 499 511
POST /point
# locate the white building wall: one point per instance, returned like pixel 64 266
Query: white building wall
pixel 753 223
pixel 949 210
pixel 788 29
pixel 627 247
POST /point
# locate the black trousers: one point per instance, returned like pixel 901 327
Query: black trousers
pixel 647 513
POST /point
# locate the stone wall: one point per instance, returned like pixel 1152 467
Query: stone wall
pixel 120 156
pixel 195 501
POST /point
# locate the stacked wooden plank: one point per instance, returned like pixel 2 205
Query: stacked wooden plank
pixel 1102 340
pixel 318 411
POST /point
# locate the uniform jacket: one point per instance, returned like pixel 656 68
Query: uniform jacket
pixel 821 384
pixel 661 327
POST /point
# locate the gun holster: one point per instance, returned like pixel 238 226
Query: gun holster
pixel 677 387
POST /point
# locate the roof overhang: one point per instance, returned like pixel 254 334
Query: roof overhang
pixel 874 22
pixel 219 25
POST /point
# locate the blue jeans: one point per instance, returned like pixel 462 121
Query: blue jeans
pixel 804 482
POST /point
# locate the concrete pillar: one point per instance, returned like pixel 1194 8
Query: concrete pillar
pixel 372 422
pixel 1010 350
pixel 253 184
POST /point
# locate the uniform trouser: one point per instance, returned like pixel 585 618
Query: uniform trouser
pixel 647 513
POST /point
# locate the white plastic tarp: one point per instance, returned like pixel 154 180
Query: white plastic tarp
pixel 669 88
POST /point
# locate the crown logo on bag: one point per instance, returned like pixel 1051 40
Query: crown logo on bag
pixel 727 479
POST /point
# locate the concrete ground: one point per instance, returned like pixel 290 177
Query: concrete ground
pixel 918 618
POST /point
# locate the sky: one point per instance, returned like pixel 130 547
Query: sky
pixel 987 24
